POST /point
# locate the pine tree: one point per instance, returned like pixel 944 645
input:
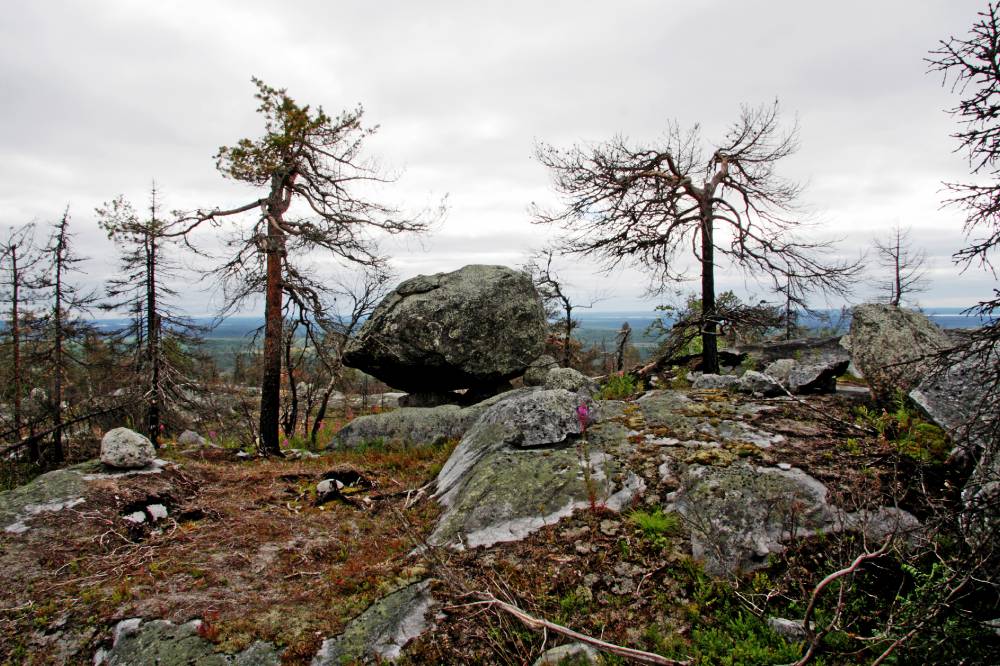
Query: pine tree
pixel 157 335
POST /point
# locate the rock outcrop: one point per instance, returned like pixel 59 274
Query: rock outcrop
pixel 893 347
pixel 478 326
pixel 740 514
pixel 160 642
pixel 126 449
pixel 524 465
pixel 416 426
pixel 960 396
pixel 380 633
pixel 539 370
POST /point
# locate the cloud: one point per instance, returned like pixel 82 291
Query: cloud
pixel 100 98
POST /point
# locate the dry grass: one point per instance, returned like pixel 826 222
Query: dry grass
pixel 244 548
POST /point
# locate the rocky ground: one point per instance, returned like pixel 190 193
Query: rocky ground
pixel 684 522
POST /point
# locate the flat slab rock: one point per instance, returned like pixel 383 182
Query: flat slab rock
pixel 383 630
pixel 55 491
pixel 494 489
pixel 417 426
pixel 138 642
pixel 717 422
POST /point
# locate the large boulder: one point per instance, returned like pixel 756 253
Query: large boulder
pixel 960 395
pixel 893 347
pixel 126 449
pixel 477 326
pixel 740 514
pixel 800 349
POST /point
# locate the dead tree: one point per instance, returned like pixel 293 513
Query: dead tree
pixel 647 203
pixel 971 66
pixel 906 266
pixel 311 168
pixel 557 303
pixel 353 302
pixel 20 259
pixel 65 324
pixel 621 346
pixel 156 333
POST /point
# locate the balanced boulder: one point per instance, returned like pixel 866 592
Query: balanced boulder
pixel 478 326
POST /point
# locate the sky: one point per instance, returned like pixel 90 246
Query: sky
pixel 100 98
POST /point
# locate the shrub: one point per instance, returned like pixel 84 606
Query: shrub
pixel 618 387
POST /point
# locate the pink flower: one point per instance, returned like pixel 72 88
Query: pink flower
pixel 583 416
pixel 284 442
pixel 162 427
pixel 211 434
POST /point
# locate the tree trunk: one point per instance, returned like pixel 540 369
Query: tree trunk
pixel 152 337
pixel 324 403
pixel 709 338
pixel 57 352
pixel 292 415
pixel 898 290
pixel 270 387
pixel 567 333
pixel 15 340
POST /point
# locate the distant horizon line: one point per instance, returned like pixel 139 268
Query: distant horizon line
pixel 930 310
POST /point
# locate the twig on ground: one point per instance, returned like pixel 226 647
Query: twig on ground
pixel 538 623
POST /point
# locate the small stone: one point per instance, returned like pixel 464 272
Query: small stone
pixel 191 438
pixel 157 511
pixel 790 629
pixel 784 466
pixel 609 527
pixel 328 486
pixel 126 449
pixel 137 517
pixel 579 654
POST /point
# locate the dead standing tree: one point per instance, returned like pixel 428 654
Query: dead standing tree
pixel 312 160
pixel 972 65
pixel 557 302
pixel 646 204
pixel 155 328
pixel 65 324
pixel 906 266
pixel 19 259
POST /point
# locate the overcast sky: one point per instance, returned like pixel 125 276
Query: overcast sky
pixel 99 98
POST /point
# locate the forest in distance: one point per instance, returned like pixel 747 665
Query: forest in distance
pixel 224 339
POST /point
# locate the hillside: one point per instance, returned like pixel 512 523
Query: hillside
pixel 246 549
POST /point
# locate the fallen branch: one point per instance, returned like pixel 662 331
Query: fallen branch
pixel 537 623
pixel 816 637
